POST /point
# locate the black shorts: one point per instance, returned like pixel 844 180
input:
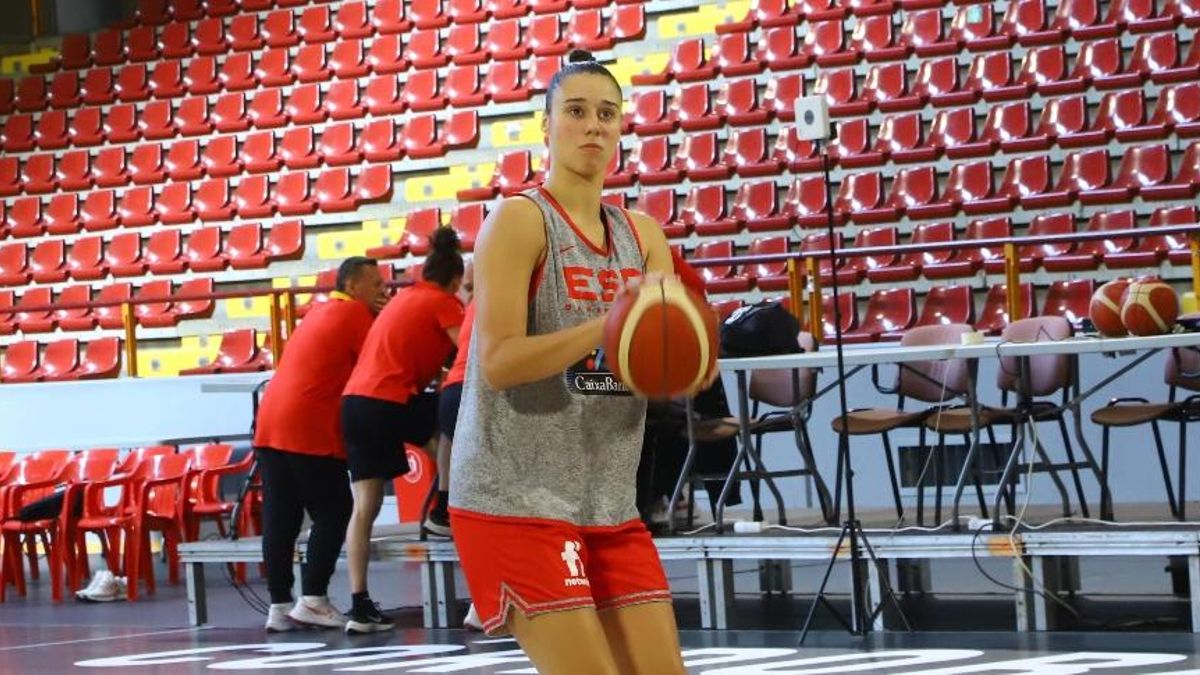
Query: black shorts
pixel 376 431
pixel 448 402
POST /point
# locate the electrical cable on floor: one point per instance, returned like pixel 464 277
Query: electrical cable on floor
pixel 244 590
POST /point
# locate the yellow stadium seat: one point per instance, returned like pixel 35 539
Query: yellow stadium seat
pixel 248 308
pixel 521 132
pixel 438 187
pixel 703 21
pixel 338 245
pixel 624 69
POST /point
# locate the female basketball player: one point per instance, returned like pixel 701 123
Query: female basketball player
pixel 385 405
pixel 545 452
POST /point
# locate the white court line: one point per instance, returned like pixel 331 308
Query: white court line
pixel 102 639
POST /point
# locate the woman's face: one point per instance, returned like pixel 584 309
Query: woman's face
pixel 584 125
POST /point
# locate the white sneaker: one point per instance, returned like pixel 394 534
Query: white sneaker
pixel 278 620
pixel 472 621
pixel 108 590
pixel 97 579
pixel 316 610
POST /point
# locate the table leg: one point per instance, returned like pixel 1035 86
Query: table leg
pixel 196 594
pixel 747 441
pixel 972 451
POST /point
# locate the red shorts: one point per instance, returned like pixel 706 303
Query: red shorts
pixel 541 565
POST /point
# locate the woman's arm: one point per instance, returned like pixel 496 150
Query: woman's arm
pixel 509 248
pixel 654 245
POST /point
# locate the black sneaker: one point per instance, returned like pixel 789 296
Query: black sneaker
pixel 366 617
pixel 438 522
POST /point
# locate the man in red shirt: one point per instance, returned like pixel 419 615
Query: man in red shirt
pixel 301 455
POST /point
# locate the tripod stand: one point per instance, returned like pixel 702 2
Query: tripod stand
pixel 862 616
pixel 235 516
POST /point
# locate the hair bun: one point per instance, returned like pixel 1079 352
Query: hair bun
pixel 580 56
pixel 444 240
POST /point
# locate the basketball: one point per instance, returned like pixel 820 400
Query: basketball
pixel 1150 308
pixel 1105 308
pixel 660 339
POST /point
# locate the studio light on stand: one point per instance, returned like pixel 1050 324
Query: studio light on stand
pixel 813 124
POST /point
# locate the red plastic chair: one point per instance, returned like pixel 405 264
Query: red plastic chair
pixel 151 499
pixel 203 497
pixel 31 479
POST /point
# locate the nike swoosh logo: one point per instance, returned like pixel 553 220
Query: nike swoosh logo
pixel 564 249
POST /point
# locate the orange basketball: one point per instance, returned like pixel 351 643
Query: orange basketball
pixel 660 339
pixel 1150 308
pixel 1105 309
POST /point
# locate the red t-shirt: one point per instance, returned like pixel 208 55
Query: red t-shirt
pixel 407 345
pixel 301 409
pixel 458 371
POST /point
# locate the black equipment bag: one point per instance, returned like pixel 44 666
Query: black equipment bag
pixel 762 329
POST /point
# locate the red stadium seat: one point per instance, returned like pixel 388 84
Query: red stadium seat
pixel 692 108
pixel 464 45
pixel 947 304
pixel 914 194
pixel 174 204
pixel 164 253
pixel 781 94
pixel 348 60
pixel 238 353
pixel 379 142
pixel 64 90
pixel 749 154
pixel 166 81
pixel 229 114
pixel 274 68
pixel 244 247
pixel 292 194
pixel 387 16
pixel 316 25
pixel 34 321
pixel 651 158
pixel 252 197
pixel 97 87
pixel 463 88
pixel 146 164
pixel 85 261
pixel 208 36
pixel 279 29
pixel 123 255
pixel 994 317
pixel 352 20
pixel 243 33
pixel 422 91
pixel 25 218
pixel 503 82
pixel 37 175
pixel 922 33
pixel 737 102
pixel 220 158
pixel 297 149
pixel 964 262
pixel 1088 254
pixel 20 362
pixel 10 176
pixel 51 131
pixel 825 43
pixel 99 211
pixel 14 264
pixel 337 146
pixel 203 251
pixel 267 110
pixel 74 170
pixel 155 122
pixel 806 203
pixel 182 162
pixel 110 317
pixel 769 276
pixel 467 220
pixel 886 87
pixel 200 76
pixel 424 50
pixel 900 139
pixel 651 114
pixel 62 214
pixel 373 184
pixel 840 91
pixel 18 133
pixel 109 168
pixel 175 40
pixel 734 56
pixel 155 314
pixel 46 263
pixel 382 96
pixel 659 204
pixel 688 64
pixel 1069 299
pixel 704 211
pixel 108 48
pixel 304 105
pixel 699 158
pixel 76 51
pixel 136 207
pixel 74 319
pixel 720 278
pixel 212 201
pixel 888 314
pixel 237 73
pixel 860 197
pixel 910 265
pixel 311 64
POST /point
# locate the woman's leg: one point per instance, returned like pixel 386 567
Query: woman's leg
pixel 368 497
pixel 643 638
pixel 570 642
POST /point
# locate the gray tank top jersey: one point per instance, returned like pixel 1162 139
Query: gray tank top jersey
pixel 566 447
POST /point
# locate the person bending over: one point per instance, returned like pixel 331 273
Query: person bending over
pixel 385 405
